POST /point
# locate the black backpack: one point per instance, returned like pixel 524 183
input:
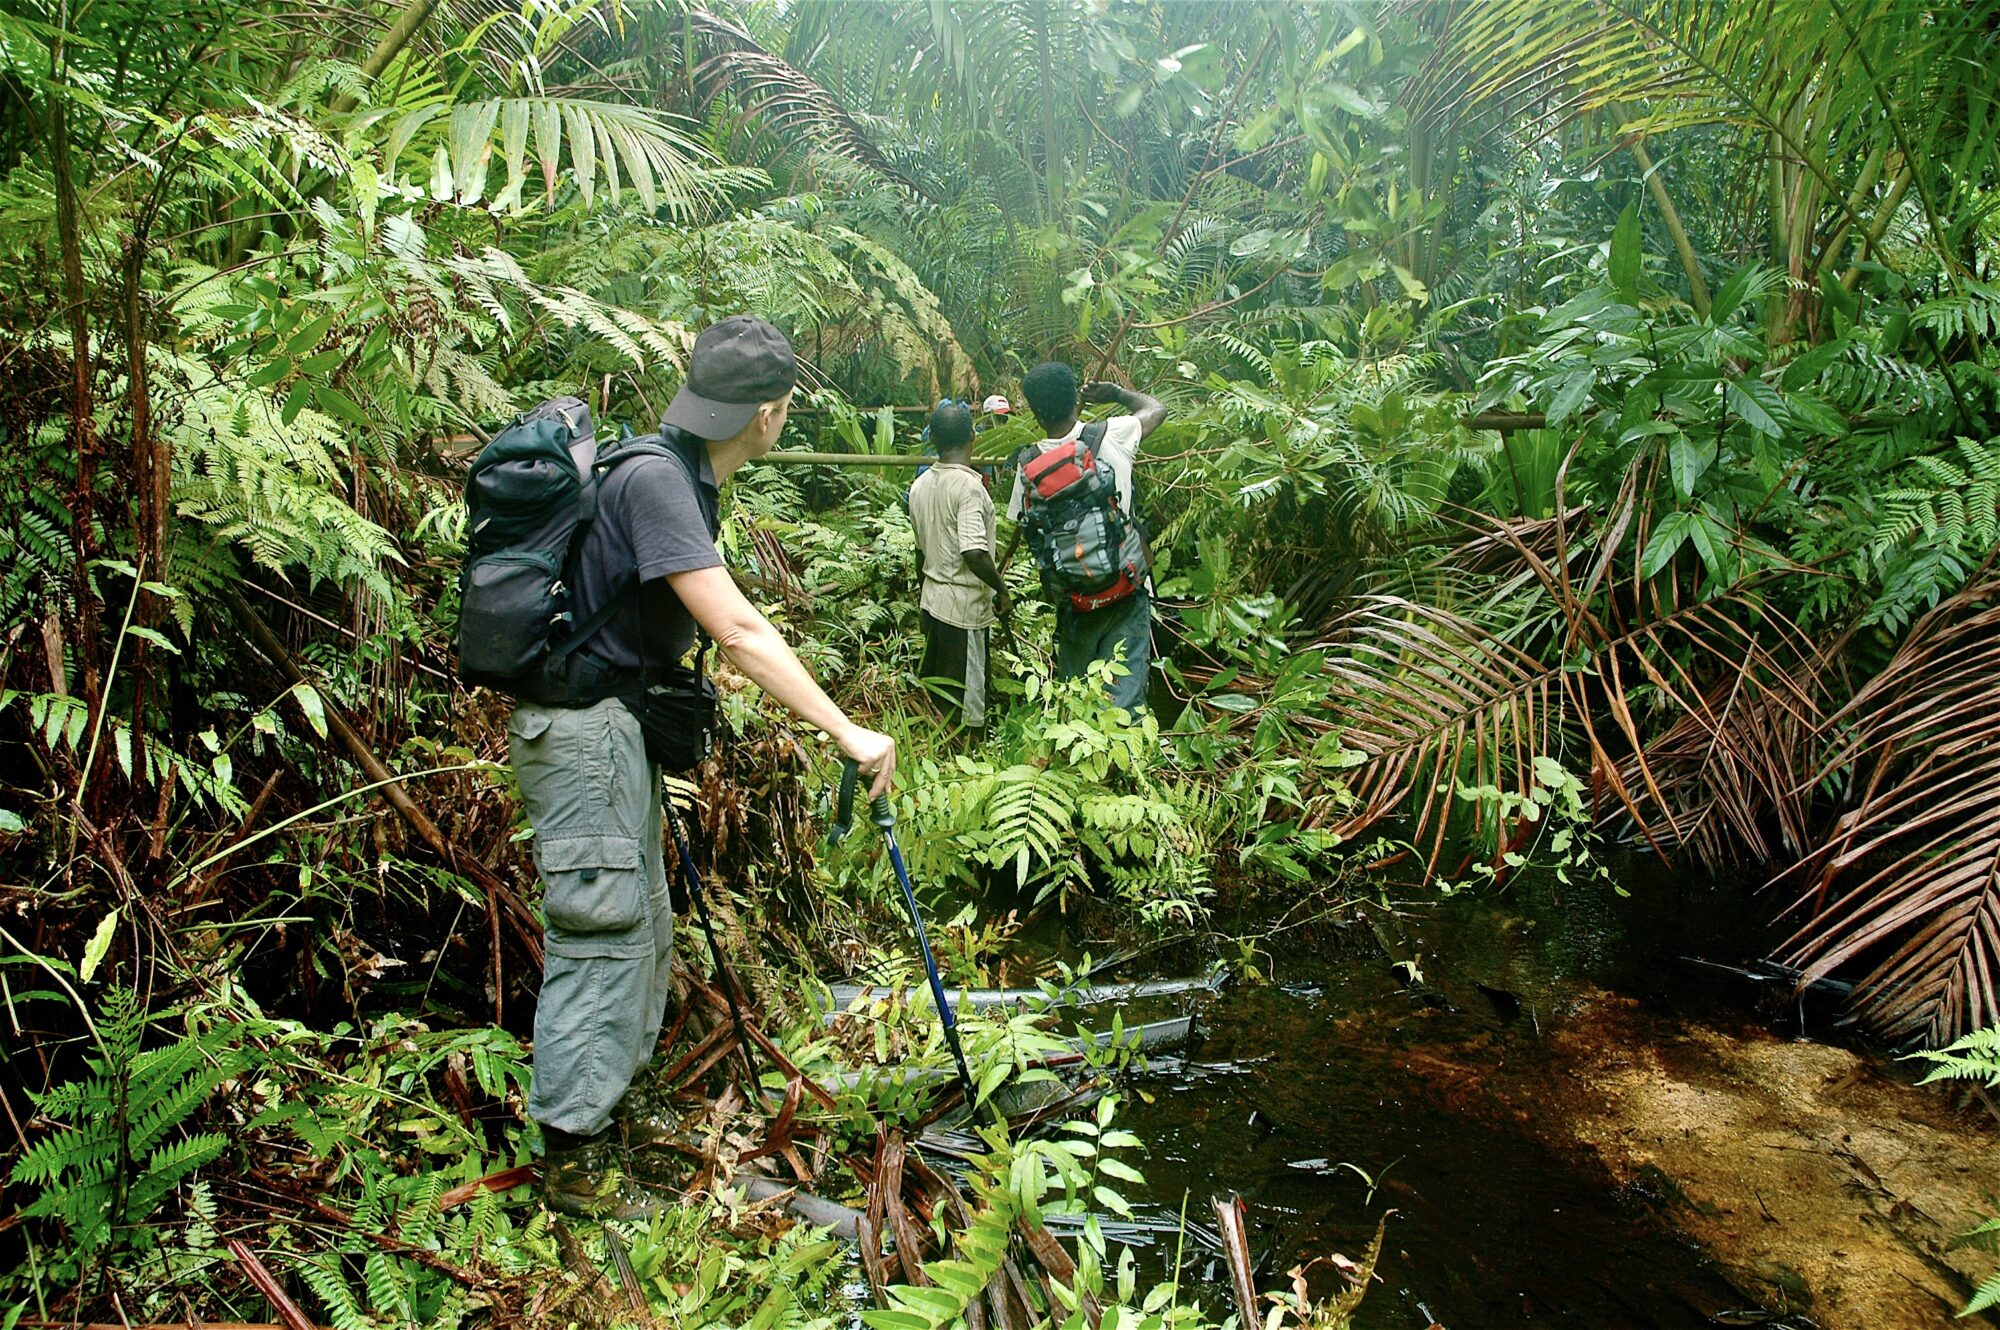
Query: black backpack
pixel 530 497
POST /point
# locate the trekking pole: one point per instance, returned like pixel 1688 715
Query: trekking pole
pixel 884 816
pixel 722 971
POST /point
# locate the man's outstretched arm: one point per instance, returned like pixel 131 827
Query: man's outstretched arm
pixel 1149 411
pixel 755 648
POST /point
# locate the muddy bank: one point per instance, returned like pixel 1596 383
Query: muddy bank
pixel 1816 1182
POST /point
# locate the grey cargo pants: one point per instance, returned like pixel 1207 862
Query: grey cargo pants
pixel 594 801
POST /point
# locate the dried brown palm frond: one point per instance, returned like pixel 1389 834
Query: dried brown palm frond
pixel 1907 880
pixel 1698 706
pixel 1436 704
pixel 783 97
pixel 1493 546
pixel 1697 710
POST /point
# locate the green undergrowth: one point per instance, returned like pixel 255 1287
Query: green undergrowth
pixel 350 1162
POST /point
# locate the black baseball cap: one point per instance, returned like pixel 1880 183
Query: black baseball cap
pixel 737 365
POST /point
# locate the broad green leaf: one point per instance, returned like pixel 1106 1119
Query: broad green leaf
pixel 607 153
pixel 269 373
pixel 1350 100
pixel 637 168
pixel 961 1278
pixel 404 131
pixel 337 403
pixel 296 400
pixel 1665 543
pixel 470 139
pixel 1811 414
pixel 938 1303
pixel 582 152
pixel 514 115
pixel 441 175
pixel 548 141
pixel 1124 1172
pixel 1572 394
pixel 319 364
pixel 1756 402
pixel 308 337
pixel 1731 294
pixel 310 704
pixel 1625 254
pixel 895 1320
pixel 1112 1201
pixel 1812 364
pixel 1689 461
pixel 1711 541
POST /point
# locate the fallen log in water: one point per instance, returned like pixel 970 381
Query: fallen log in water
pixel 1151 1037
pixel 844 1220
pixel 1075 995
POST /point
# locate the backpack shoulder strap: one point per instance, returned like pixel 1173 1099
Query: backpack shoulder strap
pixel 600 464
pixel 1093 434
pixel 625 450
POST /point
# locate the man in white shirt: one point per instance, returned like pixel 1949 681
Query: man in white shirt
pixel 1123 629
pixel 952 514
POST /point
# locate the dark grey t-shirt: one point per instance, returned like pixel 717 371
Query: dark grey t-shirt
pixel 650 522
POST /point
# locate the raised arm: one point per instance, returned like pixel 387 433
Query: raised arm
pixel 1149 411
pixel 755 648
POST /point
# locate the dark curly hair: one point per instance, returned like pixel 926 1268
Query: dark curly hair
pixel 1050 388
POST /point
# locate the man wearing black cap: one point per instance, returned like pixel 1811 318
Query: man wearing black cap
pixel 593 795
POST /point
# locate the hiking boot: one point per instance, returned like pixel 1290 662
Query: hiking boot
pixel 645 1126
pixel 584 1180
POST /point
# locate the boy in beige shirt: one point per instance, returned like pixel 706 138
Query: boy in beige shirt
pixel 952 514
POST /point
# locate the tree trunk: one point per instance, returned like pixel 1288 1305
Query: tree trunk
pixel 1698 288
pixel 415 14
pixel 82 403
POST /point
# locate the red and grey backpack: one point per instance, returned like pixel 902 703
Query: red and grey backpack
pixel 1089 547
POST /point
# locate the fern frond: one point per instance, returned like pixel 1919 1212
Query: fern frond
pixel 1971 1057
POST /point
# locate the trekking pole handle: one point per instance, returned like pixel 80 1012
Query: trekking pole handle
pixel 880 811
pixel 843 805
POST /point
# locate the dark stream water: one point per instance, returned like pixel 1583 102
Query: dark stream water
pixel 1341 1090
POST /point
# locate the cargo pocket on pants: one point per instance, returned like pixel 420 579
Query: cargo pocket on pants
pixel 595 884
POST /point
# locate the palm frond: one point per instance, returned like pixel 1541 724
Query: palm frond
pixel 605 144
pixel 1437 705
pixel 1696 708
pixel 1827 84
pixel 788 100
pixel 1908 878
